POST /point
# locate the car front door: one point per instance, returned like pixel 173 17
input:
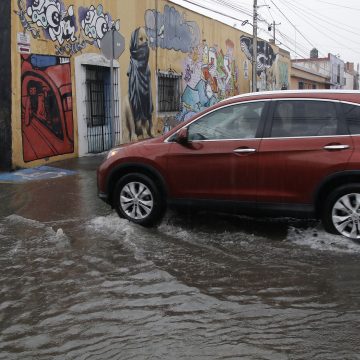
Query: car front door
pixel 219 160
pixel 304 143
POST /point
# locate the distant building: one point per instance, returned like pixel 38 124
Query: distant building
pixel 351 77
pixel 303 78
pixel 326 73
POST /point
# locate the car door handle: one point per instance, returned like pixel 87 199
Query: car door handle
pixel 244 151
pixel 336 147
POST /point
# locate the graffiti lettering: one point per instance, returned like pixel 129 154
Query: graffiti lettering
pixel 170 30
pixel 59 24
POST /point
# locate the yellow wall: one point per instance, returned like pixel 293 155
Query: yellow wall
pixel 131 15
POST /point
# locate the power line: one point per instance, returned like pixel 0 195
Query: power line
pixel 216 11
pixel 290 22
pixel 342 6
pixel 322 19
pixel 325 19
pixel 320 31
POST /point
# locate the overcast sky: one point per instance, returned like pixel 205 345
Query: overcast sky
pixel 329 25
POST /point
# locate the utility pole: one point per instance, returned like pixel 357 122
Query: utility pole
pixel 272 27
pixel 254 54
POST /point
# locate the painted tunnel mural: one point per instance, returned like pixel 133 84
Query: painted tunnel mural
pixel 46 107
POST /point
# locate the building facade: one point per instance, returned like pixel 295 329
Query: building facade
pixel 351 77
pixel 175 64
pixel 5 89
pixel 304 78
pixel 331 68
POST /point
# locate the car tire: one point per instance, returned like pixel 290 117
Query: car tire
pixel 138 199
pixel 341 211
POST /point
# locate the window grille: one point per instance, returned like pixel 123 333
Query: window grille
pixel 169 91
pixel 96 95
pixel 98 118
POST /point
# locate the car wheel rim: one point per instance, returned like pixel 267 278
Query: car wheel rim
pixel 346 215
pixel 136 200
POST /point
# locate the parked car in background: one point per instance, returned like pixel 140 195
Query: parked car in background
pixel 285 153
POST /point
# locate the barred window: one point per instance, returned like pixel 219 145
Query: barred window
pixel 96 95
pixel 169 91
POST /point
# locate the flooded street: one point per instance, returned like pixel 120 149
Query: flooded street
pixel 77 282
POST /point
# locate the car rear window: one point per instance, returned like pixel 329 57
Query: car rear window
pixel 352 117
pixel 298 118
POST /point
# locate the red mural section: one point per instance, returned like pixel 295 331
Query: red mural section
pixel 46 104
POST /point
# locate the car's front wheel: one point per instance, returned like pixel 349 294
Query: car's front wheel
pixel 341 211
pixel 138 199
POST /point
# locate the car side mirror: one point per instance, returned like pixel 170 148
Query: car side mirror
pixel 182 136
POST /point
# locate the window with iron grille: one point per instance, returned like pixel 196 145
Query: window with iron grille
pixel 95 84
pixel 169 91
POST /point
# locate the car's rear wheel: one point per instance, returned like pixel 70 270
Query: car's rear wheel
pixel 341 211
pixel 138 199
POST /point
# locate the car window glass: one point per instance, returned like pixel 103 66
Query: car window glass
pixel 352 116
pixel 231 122
pixel 294 118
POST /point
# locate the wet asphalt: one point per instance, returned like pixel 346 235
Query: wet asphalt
pixel 77 282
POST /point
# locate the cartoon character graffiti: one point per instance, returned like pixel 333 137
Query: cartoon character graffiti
pixel 47 118
pixel 265 59
pixel 95 23
pixel 21 12
pixel 59 25
pixel 138 103
pixel 209 76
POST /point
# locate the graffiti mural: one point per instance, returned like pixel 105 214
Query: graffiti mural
pixel 265 60
pixel 210 75
pixel 138 102
pixel 46 107
pixel 283 75
pixel 96 23
pixel 170 30
pixel 59 24
pixel 21 12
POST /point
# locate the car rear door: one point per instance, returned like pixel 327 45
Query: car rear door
pixel 304 142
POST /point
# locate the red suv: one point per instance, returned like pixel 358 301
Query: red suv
pixel 287 153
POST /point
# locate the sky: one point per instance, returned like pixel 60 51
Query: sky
pixel 331 26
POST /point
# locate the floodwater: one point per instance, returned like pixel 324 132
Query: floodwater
pixel 77 282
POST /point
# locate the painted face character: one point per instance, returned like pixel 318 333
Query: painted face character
pixel 53 15
pixel 69 28
pixel 96 23
pixel 61 29
pixel 142 37
pixel 36 11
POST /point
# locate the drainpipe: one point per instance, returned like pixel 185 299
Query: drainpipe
pixel 254 54
pixel 156 56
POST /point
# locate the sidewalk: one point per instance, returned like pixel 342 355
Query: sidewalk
pixel 56 170
pixel 65 189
